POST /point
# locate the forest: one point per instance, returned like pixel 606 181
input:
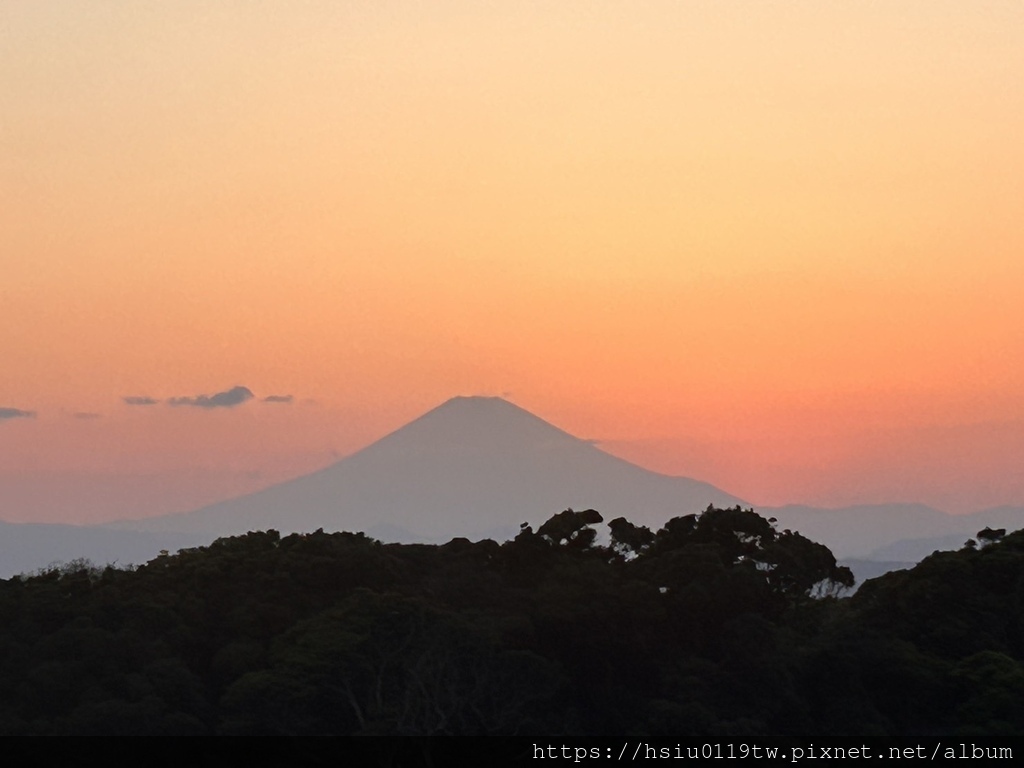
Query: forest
pixel 716 627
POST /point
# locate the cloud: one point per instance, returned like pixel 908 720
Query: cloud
pixel 279 399
pixel 131 400
pixel 16 413
pixel 229 399
pixel 86 415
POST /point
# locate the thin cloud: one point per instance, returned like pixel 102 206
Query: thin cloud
pixel 133 400
pixel 16 413
pixel 279 399
pixel 228 399
pixel 86 415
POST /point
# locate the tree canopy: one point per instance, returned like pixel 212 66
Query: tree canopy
pixel 717 625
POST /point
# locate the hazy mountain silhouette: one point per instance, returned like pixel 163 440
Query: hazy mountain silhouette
pixel 891 532
pixel 859 530
pixel 27 547
pixel 473 466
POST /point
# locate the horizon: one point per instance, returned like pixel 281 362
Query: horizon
pixel 474 423
pixel 774 249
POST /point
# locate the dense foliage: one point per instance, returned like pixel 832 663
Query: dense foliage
pixel 716 626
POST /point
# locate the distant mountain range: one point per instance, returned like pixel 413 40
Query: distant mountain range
pixel 28 547
pixel 906 532
pixel 478 467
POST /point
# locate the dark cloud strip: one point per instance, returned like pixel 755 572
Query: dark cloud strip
pixel 87 415
pixel 16 413
pixel 279 399
pixel 229 399
pixel 131 400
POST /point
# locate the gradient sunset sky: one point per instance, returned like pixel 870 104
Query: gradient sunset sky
pixel 776 246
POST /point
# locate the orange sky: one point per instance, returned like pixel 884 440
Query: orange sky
pixel 777 247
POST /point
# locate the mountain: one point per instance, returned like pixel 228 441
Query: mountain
pixel 27 547
pixel 891 532
pixel 858 531
pixel 473 467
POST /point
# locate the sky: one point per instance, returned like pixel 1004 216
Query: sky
pixel 776 246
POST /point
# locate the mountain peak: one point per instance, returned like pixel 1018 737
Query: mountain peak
pixel 480 403
pixel 476 420
pixel 474 398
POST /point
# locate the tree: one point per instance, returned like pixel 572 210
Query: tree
pixel 571 528
pixel 629 540
pixel 789 563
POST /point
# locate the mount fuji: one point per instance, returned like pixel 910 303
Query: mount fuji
pixel 473 466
